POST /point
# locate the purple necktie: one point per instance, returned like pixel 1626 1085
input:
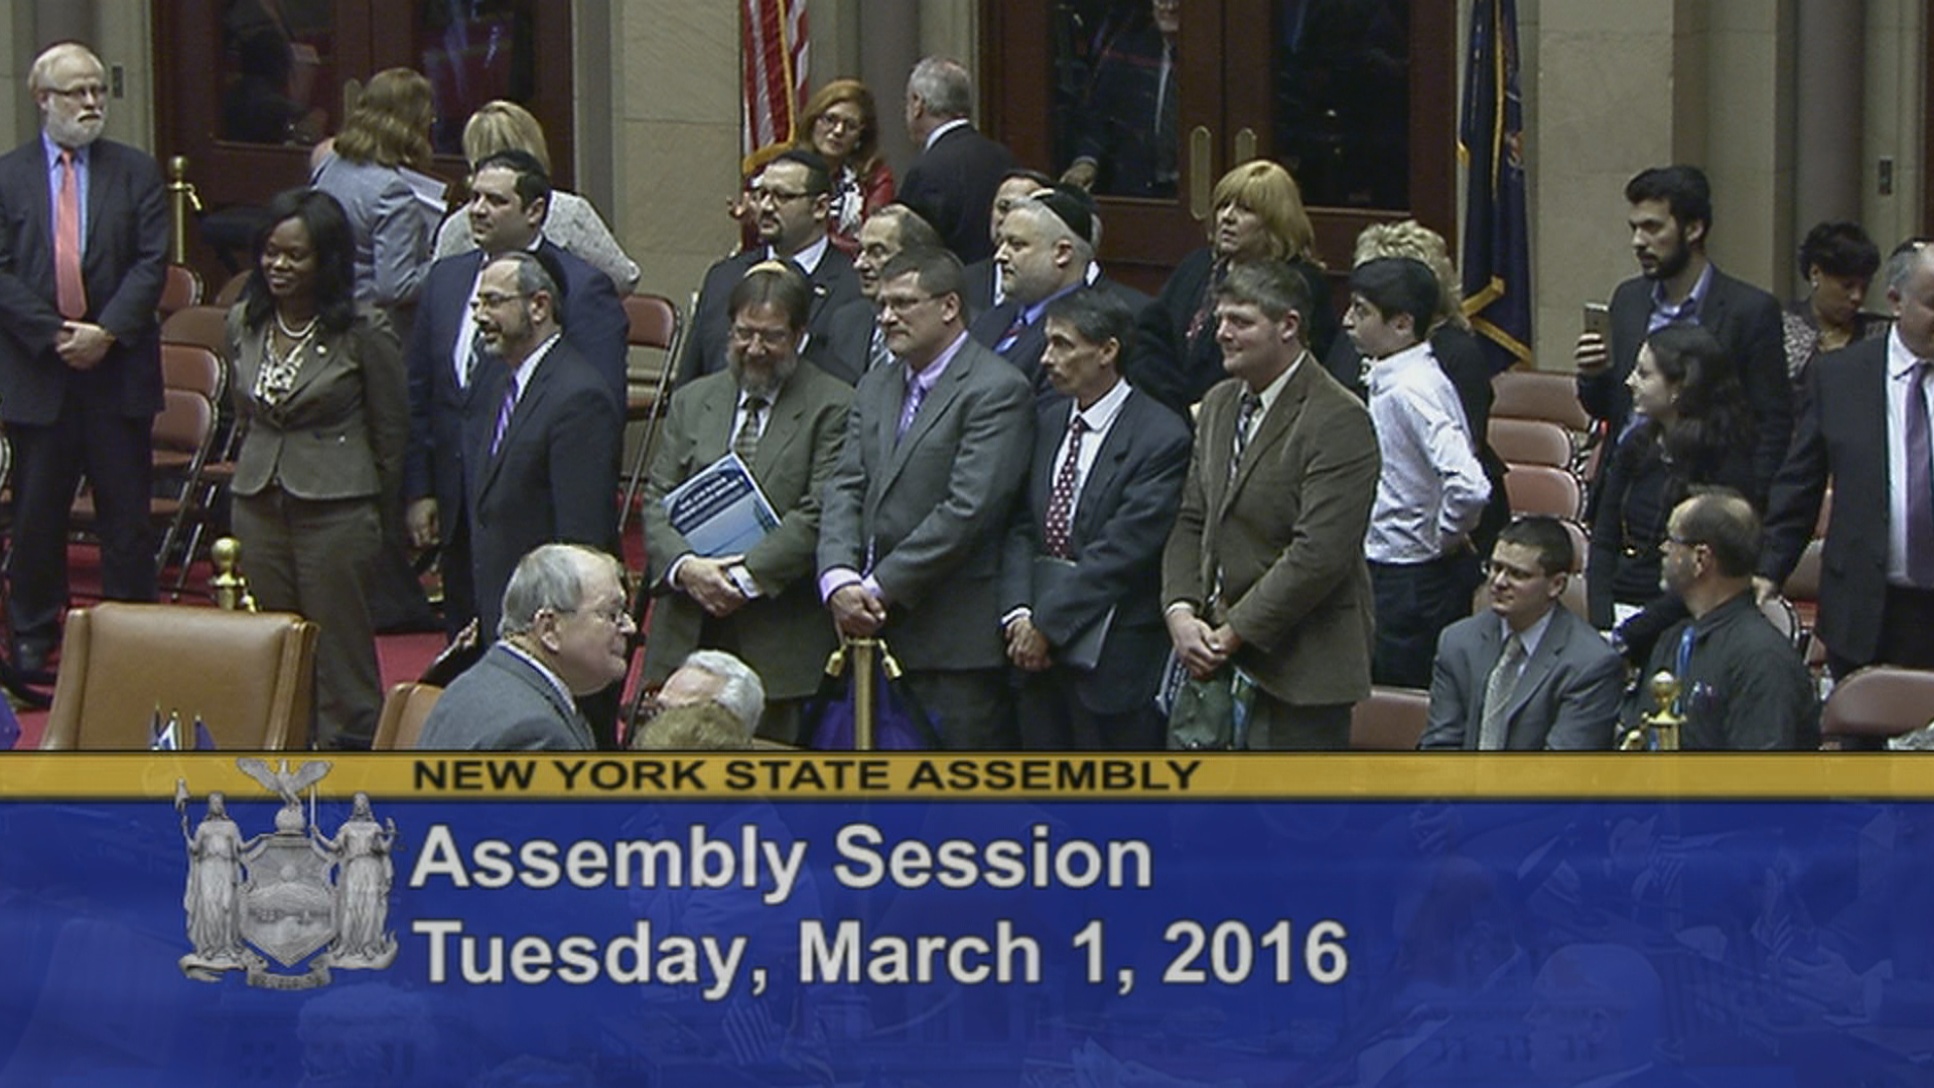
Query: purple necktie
pixel 504 411
pixel 916 393
pixel 1920 484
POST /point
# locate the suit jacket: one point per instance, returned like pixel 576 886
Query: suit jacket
pixel 393 228
pixel 951 185
pixel 1842 436
pixel 1567 695
pixel 594 324
pixel 785 635
pixel 929 509
pixel 1177 368
pixel 341 431
pixel 1746 320
pixel 1286 534
pixel 1120 524
pixel 990 328
pixel 554 478
pixel 833 281
pixel 123 260
pixel 504 704
pixel 849 340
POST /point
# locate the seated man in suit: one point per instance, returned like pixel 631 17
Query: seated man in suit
pixel 1742 684
pixel 565 633
pixel 1527 674
pixel 910 531
pixel 786 422
pixel 1085 551
pixel 450 389
pixel 791 200
pixel 858 344
pixel 1264 570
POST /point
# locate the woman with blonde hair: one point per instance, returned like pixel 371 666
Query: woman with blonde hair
pixel 572 223
pixel 1259 216
pixel 842 125
pixel 1457 351
pixel 383 146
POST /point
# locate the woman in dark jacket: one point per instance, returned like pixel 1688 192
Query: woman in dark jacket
pixel 1259 216
pixel 1692 434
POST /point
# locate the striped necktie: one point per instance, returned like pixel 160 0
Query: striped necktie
pixel 746 442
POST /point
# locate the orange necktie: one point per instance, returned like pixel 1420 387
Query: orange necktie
pixel 70 294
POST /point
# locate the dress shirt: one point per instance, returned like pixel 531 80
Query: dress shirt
pixel 543 670
pixel 81 174
pixel 1029 315
pixel 807 260
pixel 1431 490
pixel 1665 313
pixel 521 377
pixel 944 128
pixel 837 578
pixel 1096 418
pixel 1530 636
pixel 1900 383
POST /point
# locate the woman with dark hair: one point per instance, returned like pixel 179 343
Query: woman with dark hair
pixel 1694 432
pixel 1258 216
pixel 842 125
pixel 321 389
pixel 1839 262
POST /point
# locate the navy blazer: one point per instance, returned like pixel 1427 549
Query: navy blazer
pixel 951 185
pixel 594 323
pixel 1121 523
pixel 123 261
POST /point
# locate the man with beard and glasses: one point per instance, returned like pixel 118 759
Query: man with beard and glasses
pixel 1670 219
pixel 82 255
pixel 786 422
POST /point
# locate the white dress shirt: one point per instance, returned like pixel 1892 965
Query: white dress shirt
pixel 1900 383
pixel 1432 490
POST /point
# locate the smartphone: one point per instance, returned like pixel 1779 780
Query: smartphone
pixel 1598 318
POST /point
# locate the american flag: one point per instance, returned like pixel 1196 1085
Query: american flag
pixel 773 44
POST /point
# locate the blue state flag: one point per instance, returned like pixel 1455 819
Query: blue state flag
pixel 1497 240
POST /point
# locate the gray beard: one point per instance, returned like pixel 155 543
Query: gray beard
pixel 74 134
pixel 762 385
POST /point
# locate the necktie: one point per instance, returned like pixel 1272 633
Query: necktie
pixel 469 375
pixel 504 411
pixel 1251 405
pixel 746 442
pixel 876 355
pixel 1920 483
pixel 70 293
pixel 1014 330
pixel 1497 693
pixel 910 407
pixel 1061 498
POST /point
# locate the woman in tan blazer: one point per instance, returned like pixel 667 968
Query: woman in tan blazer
pixel 322 392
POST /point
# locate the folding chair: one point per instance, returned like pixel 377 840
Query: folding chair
pixel 655 324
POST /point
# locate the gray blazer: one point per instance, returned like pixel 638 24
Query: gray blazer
pixel 786 635
pixel 930 509
pixel 392 228
pixel 503 704
pixel 1567 696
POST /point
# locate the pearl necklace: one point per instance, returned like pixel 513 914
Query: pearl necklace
pixel 296 334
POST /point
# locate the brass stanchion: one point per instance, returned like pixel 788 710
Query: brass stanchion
pixel 856 657
pixel 228 586
pixel 1659 730
pixel 183 203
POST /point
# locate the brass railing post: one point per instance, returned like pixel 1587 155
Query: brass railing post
pixel 183 204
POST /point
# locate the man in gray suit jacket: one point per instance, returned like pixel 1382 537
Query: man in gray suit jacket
pixel 786 421
pixel 565 633
pixel 80 356
pixel 936 453
pixel 1527 674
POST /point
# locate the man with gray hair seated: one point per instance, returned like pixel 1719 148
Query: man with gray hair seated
pixel 710 676
pixel 564 633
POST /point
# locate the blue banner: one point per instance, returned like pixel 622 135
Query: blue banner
pixel 1497 236
pixel 947 921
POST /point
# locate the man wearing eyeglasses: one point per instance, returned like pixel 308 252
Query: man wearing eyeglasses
pixel 83 251
pixel 1527 674
pixel 565 635
pixel 791 201
pixel 936 454
pixel 785 422
pixel 450 387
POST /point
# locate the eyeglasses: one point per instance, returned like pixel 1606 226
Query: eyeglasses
pixel 492 300
pixel 85 90
pixel 773 339
pixel 614 614
pixel 902 303
pixel 1516 574
pixel 840 124
pixel 776 196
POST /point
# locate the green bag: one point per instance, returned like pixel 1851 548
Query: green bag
pixel 1211 714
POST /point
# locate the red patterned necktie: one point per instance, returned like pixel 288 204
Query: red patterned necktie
pixel 1061 499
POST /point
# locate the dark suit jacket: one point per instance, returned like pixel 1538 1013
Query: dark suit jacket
pixel 1287 535
pixel 786 635
pixel 930 508
pixel 123 260
pixel 1176 368
pixel 341 431
pixel 1842 436
pixel 555 478
pixel 849 340
pixel 1567 696
pixel 834 284
pixel 990 328
pixel 594 324
pixel 1746 321
pixel 951 185
pixel 503 704
pixel 1120 524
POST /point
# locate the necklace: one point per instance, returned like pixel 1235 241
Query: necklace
pixel 296 334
